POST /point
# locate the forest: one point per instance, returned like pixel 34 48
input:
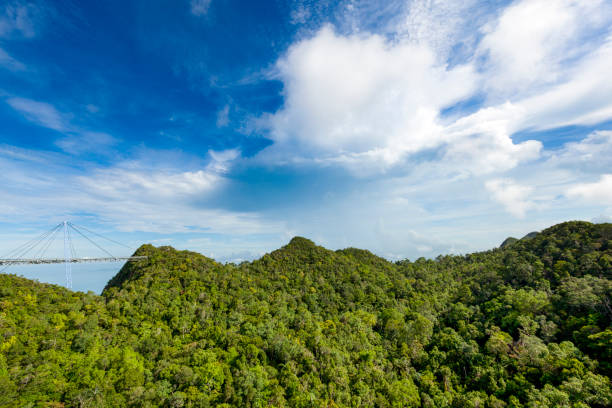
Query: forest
pixel 527 324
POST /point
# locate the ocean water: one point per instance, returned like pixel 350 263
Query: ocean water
pixel 85 276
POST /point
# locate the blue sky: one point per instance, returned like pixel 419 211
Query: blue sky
pixel 410 128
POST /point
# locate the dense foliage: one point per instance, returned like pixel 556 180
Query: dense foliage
pixel 526 325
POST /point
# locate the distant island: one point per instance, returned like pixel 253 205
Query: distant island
pixel 524 325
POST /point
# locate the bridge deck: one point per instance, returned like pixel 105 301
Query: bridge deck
pixel 76 260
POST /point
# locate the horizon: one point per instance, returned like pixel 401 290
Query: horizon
pixel 408 128
pixel 105 271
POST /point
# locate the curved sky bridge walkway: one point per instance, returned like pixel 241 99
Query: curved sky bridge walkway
pixel 34 251
pixel 59 260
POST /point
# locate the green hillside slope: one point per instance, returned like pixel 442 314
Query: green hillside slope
pixel 526 325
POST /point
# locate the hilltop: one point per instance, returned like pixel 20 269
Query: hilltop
pixel 524 325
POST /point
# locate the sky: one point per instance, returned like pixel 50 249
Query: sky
pixel 409 128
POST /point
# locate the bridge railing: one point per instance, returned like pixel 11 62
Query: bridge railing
pixel 22 261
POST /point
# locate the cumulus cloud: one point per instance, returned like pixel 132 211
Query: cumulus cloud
pixel 360 96
pixel 367 103
pixel 480 143
pixel 514 197
pixel 599 192
pixel 372 102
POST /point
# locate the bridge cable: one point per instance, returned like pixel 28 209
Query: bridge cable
pixel 31 243
pixel 19 254
pixel 101 236
pixel 20 251
pixel 87 238
pixel 46 246
pixel 50 241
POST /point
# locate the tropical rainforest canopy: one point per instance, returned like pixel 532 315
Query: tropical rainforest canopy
pixel 526 325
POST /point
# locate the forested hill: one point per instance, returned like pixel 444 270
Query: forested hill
pixel 526 325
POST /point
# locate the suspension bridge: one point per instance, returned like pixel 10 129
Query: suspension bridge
pixel 33 251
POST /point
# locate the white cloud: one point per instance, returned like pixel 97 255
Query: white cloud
pixel 98 142
pixel 602 219
pixel 132 179
pixel 593 154
pixel 16 17
pixel 9 62
pixel 222 160
pixel 362 96
pixel 368 104
pixel 514 197
pixel 76 140
pixel 372 103
pixel 199 7
pixel 480 143
pixel 223 117
pixel 40 113
pixel 531 39
pixel 300 14
pixel 135 185
pixel 583 98
pixel 439 24
pixel 130 196
pixel 599 192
